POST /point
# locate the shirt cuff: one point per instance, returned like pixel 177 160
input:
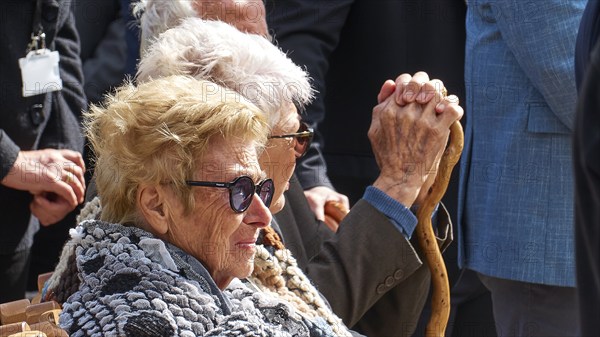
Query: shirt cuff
pixel 399 215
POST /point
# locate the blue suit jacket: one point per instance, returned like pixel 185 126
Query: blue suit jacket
pixel 516 182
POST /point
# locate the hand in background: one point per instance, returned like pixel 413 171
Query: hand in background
pixel 54 178
pixel 318 196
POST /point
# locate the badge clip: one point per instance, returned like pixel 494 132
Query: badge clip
pixel 39 68
pixel 38 42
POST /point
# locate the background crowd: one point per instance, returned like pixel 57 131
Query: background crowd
pixel 521 205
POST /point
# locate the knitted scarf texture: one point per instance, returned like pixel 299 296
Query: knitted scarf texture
pixel 132 284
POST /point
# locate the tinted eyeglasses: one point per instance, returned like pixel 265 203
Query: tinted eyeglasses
pixel 241 191
pixel 303 138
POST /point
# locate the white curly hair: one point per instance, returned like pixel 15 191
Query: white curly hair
pixel 156 16
pixel 245 63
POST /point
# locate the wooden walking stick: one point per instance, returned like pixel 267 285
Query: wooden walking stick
pixel 440 299
pixel 334 214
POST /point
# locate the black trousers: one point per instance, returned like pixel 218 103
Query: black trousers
pixel 533 310
pixel 13 275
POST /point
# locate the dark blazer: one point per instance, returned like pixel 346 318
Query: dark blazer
pixel 586 146
pixel 350 47
pixel 23 124
pixel 367 269
pixel 103 48
pixel 587 197
pixel 587 37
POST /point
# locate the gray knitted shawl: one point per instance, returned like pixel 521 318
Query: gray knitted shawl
pixel 133 284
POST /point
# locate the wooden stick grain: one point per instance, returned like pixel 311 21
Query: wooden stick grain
pixel 440 299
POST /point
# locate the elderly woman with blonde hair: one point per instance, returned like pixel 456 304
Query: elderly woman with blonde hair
pixel 183 202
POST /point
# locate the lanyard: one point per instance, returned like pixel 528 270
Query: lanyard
pixel 38 37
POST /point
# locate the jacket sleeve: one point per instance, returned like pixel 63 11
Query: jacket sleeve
pixel 368 258
pixel 541 35
pixel 64 125
pixel 8 154
pixel 309 31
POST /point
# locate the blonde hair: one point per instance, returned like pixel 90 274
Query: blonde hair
pixel 245 63
pixel 156 132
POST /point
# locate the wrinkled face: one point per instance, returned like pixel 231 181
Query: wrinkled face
pixel 279 158
pixel 223 240
pixel 246 15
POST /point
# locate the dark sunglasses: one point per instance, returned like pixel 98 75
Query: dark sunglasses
pixel 241 190
pixel 303 138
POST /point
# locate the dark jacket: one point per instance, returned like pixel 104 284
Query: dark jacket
pixel 23 124
pixel 102 29
pixel 586 146
pixel 367 269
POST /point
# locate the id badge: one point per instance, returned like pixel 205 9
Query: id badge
pixel 39 71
